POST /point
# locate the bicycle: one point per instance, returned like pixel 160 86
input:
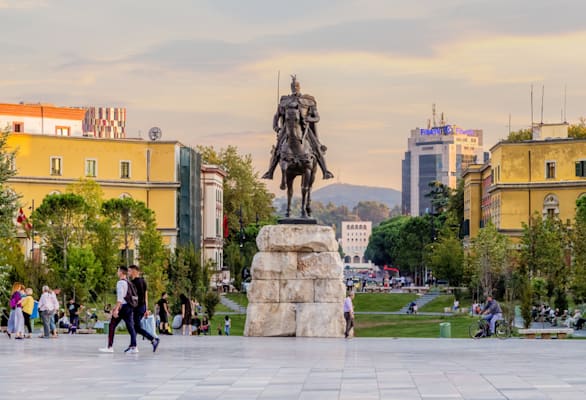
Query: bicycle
pixel 480 329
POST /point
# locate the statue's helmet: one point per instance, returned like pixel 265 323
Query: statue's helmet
pixel 295 85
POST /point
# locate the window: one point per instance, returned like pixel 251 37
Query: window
pixel 18 127
pixel 91 168
pixel 62 130
pixel 56 166
pixel 125 169
pixel 581 168
pixel 550 169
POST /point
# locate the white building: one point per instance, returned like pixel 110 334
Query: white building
pixel 355 236
pixel 436 154
pixel 212 178
pixel 42 119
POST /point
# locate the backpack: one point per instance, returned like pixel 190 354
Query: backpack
pixel 131 297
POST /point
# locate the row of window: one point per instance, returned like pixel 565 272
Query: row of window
pixel 18 127
pixel 356 227
pixel 91 168
pixel 550 170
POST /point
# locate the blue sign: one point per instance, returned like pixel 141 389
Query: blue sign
pixel 439 130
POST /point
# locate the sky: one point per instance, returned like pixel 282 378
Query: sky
pixel 205 72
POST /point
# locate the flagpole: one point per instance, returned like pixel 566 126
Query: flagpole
pixel 32 232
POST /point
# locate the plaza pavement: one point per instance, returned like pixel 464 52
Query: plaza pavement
pixel 219 367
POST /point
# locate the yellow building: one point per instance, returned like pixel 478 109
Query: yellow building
pixel 53 151
pixel 545 175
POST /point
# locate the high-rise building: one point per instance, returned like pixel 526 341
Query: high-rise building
pixel 105 122
pixel 354 241
pixel 437 154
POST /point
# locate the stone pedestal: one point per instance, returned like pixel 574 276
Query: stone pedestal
pixel 297 284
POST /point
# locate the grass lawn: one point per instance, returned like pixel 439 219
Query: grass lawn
pixel 382 301
pixel 222 308
pixel 239 298
pixel 414 326
pixel 445 300
pixel 237 324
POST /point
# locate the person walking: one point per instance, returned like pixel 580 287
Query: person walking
pixel 185 315
pixel 16 318
pixel 46 309
pixel 55 316
pixel 163 307
pixel 28 304
pixel 122 311
pixel 141 310
pixel 227 325
pixel 349 313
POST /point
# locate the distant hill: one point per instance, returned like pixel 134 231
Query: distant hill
pixel 342 194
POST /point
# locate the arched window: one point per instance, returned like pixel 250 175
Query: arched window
pixel 551 206
pixel 356 260
pixel 347 259
pixel 125 196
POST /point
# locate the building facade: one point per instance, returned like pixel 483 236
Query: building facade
pixel 354 241
pixel 42 119
pixel 436 154
pixel 105 122
pixel 545 175
pixel 212 178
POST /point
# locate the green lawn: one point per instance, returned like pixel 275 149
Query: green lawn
pixel 382 301
pixel 239 298
pixel 222 308
pixel 415 326
pixel 445 300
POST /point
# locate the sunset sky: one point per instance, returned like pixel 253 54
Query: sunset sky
pixel 206 71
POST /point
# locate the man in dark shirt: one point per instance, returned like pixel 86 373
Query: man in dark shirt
pixel 492 312
pixel 73 309
pixel 163 314
pixel 140 310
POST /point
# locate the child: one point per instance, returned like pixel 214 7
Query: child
pixel 227 324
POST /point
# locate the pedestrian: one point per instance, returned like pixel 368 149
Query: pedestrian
pixel 186 315
pixel 46 309
pixel 73 309
pixel 227 325
pixel 141 310
pixel 349 313
pixel 55 316
pixel 122 311
pixel 16 318
pixel 163 307
pixel 28 305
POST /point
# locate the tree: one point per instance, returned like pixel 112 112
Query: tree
pixel 83 273
pixel 383 245
pixel 490 257
pixel 446 257
pixel 440 195
pixel 578 279
pixel 578 131
pixel 129 218
pixel 456 203
pixel 371 211
pixel 152 259
pixel 520 135
pixel 414 237
pixel 8 198
pixel 60 220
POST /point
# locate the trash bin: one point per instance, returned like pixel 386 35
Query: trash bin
pixel 106 327
pixel 445 330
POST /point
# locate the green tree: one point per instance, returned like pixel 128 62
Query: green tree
pixel 83 274
pixel 578 278
pixel 371 211
pixel 129 217
pixel 490 258
pixel 59 220
pixel 520 135
pixel 8 198
pixel 383 245
pixel 440 195
pixel 106 247
pixel 446 257
pixel 415 235
pixel 578 131
pixel 152 257
pixel 456 203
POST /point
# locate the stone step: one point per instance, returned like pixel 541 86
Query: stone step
pixel 421 301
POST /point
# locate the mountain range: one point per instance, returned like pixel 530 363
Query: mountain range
pixel 343 194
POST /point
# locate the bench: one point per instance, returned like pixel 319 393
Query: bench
pixel 546 333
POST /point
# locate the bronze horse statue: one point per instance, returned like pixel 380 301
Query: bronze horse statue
pixel 297 158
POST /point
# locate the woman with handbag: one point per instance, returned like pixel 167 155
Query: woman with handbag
pixel 16 319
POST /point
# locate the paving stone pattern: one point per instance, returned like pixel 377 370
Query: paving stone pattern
pixel 218 367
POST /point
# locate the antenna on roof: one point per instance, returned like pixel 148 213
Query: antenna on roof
pixel 565 101
pixel 542 95
pixel 531 106
pixel 433 114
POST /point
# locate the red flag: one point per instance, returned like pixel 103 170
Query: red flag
pixel 24 222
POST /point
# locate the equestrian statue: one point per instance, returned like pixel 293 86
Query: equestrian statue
pixel 298 150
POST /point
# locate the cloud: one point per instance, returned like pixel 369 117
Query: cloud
pixel 22 4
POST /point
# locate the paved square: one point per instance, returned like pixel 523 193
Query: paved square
pixel 239 368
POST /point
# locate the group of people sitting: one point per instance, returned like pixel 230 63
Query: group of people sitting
pixel 544 313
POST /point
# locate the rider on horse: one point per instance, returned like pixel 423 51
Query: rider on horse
pixel 307 108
